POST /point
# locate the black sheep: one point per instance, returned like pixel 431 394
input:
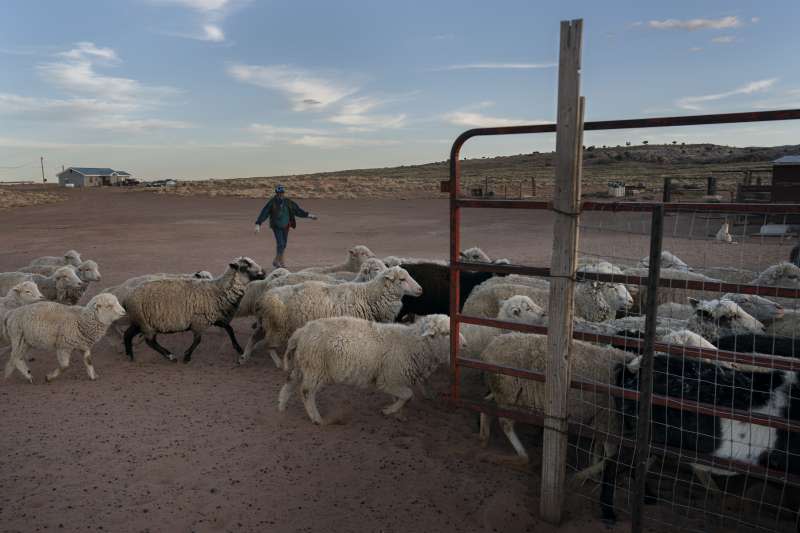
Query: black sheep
pixel 766 344
pixel 435 281
pixel 775 393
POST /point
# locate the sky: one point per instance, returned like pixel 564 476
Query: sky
pixel 236 88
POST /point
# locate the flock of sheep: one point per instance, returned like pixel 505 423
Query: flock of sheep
pixel 383 323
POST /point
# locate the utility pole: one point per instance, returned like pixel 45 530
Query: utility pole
pixel 41 159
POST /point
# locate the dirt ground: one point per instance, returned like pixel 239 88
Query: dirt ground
pixel 156 446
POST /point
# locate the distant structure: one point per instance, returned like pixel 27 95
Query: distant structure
pixel 91 177
pixel 786 179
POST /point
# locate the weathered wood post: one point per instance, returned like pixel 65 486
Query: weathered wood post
pixel 711 188
pixel 667 194
pixel 566 205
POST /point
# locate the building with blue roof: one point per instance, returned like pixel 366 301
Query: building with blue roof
pixel 91 177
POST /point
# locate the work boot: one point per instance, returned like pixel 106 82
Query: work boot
pixel 276 263
pixel 279 259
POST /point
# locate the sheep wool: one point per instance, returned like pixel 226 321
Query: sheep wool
pixel 285 309
pixel 175 305
pixel 22 294
pixel 70 257
pixel 62 286
pixel 362 353
pixel 355 257
pixel 54 326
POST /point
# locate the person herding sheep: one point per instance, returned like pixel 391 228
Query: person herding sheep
pixel 281 213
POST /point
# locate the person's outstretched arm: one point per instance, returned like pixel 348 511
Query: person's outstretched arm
pixel 300 212
pixel 264 215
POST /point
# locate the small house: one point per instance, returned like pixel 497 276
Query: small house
pixel 91 177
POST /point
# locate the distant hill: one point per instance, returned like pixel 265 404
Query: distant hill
pixel 644 165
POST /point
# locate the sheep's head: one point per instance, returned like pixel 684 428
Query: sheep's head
pixel 392 261
pixel 370 269
pixel 521 309
pixel 88 271
pixel 685 337
pixel 66 277
pixel 781 275
pixel 71 257
pixel 762 309
pixel 106 307
pixel 401 281
pixel 358 254
pixel 437 328
pixel 716 318
pixel 248 268
pixel 475 255
pixel 25 293
pixel 203 274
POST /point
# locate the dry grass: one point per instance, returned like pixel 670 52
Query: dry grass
pixel 15 196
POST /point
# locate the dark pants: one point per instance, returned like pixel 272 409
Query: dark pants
pixel 281 238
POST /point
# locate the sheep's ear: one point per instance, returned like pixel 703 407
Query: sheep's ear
pixel 234 265
pixel 634 364
pixel 16 289
pixel 352 252
pixel 694 302
pixel 429 330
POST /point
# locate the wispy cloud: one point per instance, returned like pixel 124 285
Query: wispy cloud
pixel 210 13
pixel 504 66
pixel 312 137
pixel 333 142
pixel 694 102
pixel 696 24
pixel 471 118
pixel 755 20
pixel 306 91
pixel 723 39
pixel 355 115
pixel 696 49
pixel 94 101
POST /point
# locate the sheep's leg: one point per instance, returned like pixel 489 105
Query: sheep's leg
pixel 607 489
pixel 130 333
pixel 229 330
pixel 287 389
pixel 403 394
pixel 63 364
pixel 153 343
pixel 17 360
pixel 508 428
pixel 87 361
pixel 22 366
pixel 195 341
pixel 486 430
pixel 309 395
pixel 255 341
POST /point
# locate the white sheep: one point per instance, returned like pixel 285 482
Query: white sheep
pixel 474 255
pixel 590 301
pixel 760 308
pixel 124 290
pixel 369 269
pixel 590 362
pixel 393 260
pixel 70 257
pixel 668 294
pixel 176 305
pixel 783 274
pixel 21 294
pixel 54 326
pixel 257 289
pixel 787 325
pixel 355 257
pixel 87 271
pixel 724 234
pixel 285 309
pixel 62 286
pixel 390 357
pixel 668 261
pixel 519 309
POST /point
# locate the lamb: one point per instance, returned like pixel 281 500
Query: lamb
pixel 62 286
pixel 257 289
pixel 589 362
pixel 87 271
pixel 355 257
pixel 175 305
pixel 590 301
pixel 760 308
pixel 435 282
pixel 353 351
pixel 668 294
pixel 70 257
pixel 724 234
pixel 475 255
pixel 21 294
pixel 54 326
pixel 765 392
pixel 783 274
pixel 285 309
pixel 369 269
pixel 519 309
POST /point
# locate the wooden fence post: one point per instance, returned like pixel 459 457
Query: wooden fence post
pixel 667 193
pixel 566 204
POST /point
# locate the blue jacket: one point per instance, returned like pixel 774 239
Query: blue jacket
pixel 280 214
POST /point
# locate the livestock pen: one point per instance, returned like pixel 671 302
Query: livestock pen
pixel 773 465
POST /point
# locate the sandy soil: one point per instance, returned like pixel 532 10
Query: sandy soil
pixel 27 195
pixel 155 446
